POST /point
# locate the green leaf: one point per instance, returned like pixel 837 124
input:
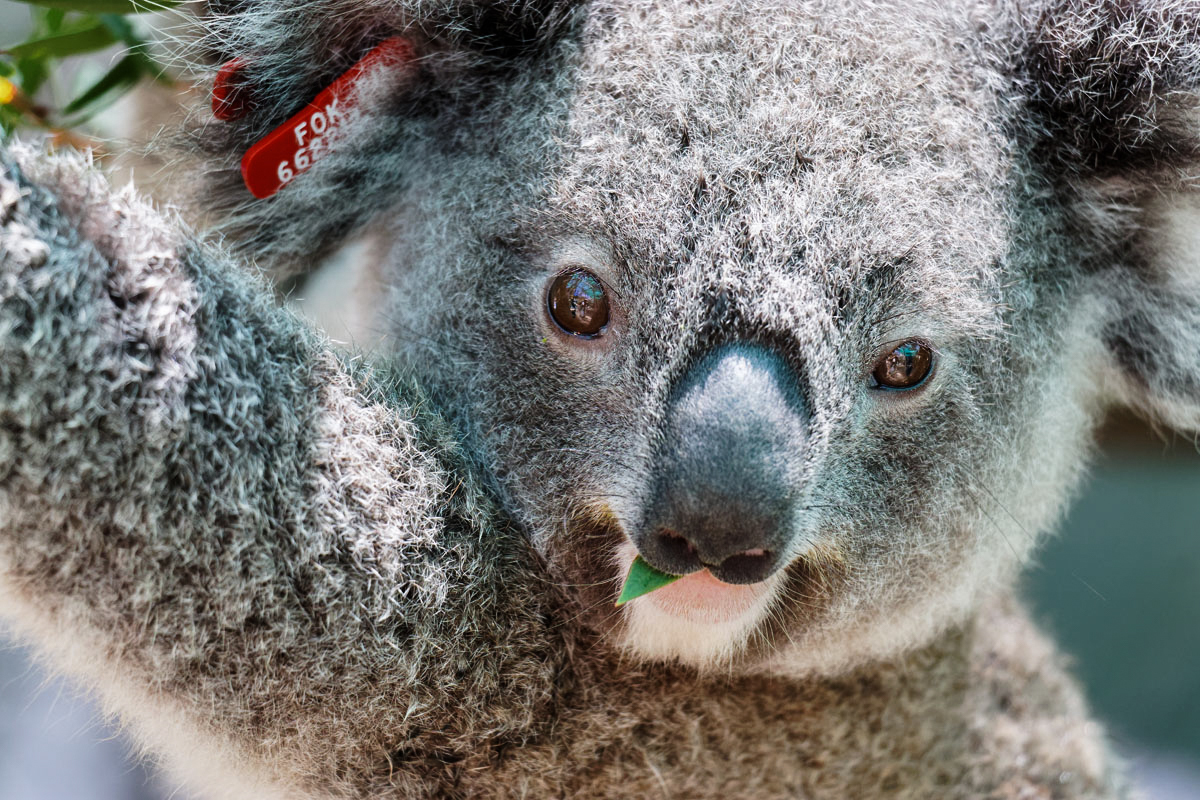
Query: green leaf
pixel 54 18
pixel 643 579
pixel 105 6
pixel 83 40
pixel 9 118
pixel 128 71
pixel 34 72
pixel 47 20
pixel 121 28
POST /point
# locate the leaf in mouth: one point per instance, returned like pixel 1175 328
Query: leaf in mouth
pixel 643 579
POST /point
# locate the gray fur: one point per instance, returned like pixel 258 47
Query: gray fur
pixel 300 565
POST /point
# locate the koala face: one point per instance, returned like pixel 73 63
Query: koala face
pixel 680 346
pixel 789 299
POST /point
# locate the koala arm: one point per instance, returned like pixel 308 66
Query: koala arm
pixel 224 528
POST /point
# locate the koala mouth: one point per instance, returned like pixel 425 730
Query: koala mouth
pixel 701 597
pixel 706 622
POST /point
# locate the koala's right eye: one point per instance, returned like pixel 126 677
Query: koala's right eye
pixel 578 304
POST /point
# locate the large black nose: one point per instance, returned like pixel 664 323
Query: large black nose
pixel 726 471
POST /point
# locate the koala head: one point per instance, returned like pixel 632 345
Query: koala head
pixel 814 303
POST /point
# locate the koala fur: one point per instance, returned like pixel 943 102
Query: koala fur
pixel 342 579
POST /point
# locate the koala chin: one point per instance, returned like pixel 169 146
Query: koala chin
pixel 815 305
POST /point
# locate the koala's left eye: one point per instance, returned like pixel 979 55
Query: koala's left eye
pixel 578 303
pixel 905 367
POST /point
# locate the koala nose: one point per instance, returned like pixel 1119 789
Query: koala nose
pixel 726 472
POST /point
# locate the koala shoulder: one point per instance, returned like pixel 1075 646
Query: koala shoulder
pixel 1029 719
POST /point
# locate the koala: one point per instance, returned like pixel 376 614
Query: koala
pixel 816 305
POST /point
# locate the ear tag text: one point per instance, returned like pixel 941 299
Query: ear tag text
pixel 291 149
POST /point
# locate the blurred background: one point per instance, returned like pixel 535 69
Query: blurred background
pixel 1119 589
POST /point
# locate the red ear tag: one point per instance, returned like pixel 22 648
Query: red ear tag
pixel 230 96
pixel 292 148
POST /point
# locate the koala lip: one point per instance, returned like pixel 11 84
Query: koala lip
pixel 701 597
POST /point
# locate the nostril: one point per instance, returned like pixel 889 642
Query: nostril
pixel 675 545
pixel 670 552
pixel 748 566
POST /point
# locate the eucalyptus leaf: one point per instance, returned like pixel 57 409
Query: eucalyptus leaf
pixel 61 30
pixel 127 72
pixel 34 72
pixel 106 6
pixel 121 28
pixel 96 36
pixel 9 119
pixel 643 579
pixel 48 20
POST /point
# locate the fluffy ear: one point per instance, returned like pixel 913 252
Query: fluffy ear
pixel 1108 114
pixel 1112 85
pixel 465 54
pixel 1150 336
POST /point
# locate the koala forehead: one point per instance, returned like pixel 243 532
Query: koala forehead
pixel 821 179
pixel 824 180
pixel 760 145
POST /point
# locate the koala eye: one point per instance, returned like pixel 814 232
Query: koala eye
pixel 905 367
pixel 577 302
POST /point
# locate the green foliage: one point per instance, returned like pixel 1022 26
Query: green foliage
pixel 643 579
pixel 63 29
pixel 104 6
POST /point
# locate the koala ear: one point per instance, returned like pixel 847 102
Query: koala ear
pixel 1112 85
pixel 463 56
pixel 1107 113
pixel 498 27
pixel 1150 328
